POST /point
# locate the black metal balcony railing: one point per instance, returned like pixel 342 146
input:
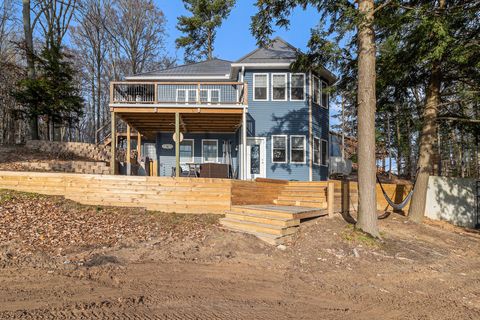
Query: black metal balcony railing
pixel 178 93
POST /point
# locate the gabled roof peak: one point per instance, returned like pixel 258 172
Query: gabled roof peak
pixel 278 51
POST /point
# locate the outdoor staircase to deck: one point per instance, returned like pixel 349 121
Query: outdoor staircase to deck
pixel 273 224
pixel 310 195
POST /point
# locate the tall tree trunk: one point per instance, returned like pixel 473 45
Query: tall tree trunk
pixel 210 45
pixel 427 140
pixel 27 29
pixel 399 141
pixel 367 200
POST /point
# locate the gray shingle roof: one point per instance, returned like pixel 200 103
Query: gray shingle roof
pixel 279 51
pixel 215 67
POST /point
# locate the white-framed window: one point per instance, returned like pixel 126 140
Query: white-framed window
pixel 316 90
pixel 325 95
pixel 186 95
pixel 209 95
pixel 297 86
pixel 279 149
pixel 187 149
pixel 210 150
pixel 325 151
pixel 279 87
pixel 316 151
pixel 260 86
pixel 297 149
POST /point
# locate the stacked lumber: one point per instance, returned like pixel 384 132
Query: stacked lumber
pixel 270 223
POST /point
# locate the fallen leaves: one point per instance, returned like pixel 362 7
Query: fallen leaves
pixel 52 224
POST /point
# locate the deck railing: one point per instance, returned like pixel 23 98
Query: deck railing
pixel 194 93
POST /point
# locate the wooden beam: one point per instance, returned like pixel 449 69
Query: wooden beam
pixel 139 146
pixel 129 151
pixel 113 144
pixel 177 144
pixel 161 110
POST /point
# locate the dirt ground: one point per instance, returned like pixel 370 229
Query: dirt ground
pixel 61 260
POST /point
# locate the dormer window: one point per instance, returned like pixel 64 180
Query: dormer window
pixel 260 86
pixel 297 87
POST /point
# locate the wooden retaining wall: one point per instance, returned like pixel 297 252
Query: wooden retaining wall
pixel 184 195
pixel 260 191
pixel 396 192
pixel 181 195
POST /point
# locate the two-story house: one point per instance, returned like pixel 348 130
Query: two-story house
pixel 254 114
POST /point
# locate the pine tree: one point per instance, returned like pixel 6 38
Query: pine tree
pixel 53 94
pixel 200 29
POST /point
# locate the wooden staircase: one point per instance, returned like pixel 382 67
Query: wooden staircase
pixel 304 194
pixel 271 223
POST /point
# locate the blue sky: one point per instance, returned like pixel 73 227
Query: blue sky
pixel 233 37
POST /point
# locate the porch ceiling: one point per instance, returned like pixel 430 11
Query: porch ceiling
pixel 148 123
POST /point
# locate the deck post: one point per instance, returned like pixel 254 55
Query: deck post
pixel 330 198
pixel 129 151
pixel 345 197
pixel 177 144
pixel 113 144
pixel 139 146
pixel 244 145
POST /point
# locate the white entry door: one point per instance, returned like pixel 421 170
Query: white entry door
pixel 256 158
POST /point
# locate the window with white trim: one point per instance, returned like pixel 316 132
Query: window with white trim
pixel 210 150
pixel 324 95
pixel 324 158
pixel 316 90
pixel 186 151
pixel 279 87
pixel 260 86
pixel 209 95
pixel 279 149
pixel 297 149
pixel 186 95
pixel 297 86
pixel 316 150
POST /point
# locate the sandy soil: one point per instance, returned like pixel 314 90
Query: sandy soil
pixel 159 266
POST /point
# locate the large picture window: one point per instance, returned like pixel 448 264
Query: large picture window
pixel 279 149
pixel 186 151
pixel 297 149
pixel 279 87
pixel 260 86
pixel 210 150
pixel 316 150
pixel 297 86
pixel 324 153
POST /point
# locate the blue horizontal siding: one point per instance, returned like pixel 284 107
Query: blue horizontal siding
pixel 166 157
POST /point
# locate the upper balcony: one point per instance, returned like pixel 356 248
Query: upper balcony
pixel 178 94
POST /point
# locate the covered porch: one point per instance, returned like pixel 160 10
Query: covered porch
pixel 157 128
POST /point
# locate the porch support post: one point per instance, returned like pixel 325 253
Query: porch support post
pixel 129 151
pixel 139 146
pixel 113 144
pixel 244 145
pixel 177 144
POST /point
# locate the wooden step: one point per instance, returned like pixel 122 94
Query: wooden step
pixel 302 198
pixel 268 238
pixel 257 227
pixel 261 211
pixel 263 218
pixel 303 203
